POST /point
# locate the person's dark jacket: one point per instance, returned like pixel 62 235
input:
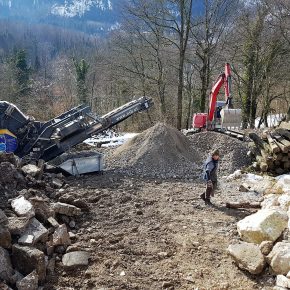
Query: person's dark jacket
pixel 210 170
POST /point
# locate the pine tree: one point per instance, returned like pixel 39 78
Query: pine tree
pixel 82 68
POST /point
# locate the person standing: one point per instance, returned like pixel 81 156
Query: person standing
pixel 210 175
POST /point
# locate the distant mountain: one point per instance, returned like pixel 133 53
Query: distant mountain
pixel 90 16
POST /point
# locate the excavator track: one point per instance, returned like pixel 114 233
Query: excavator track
pixel 234 134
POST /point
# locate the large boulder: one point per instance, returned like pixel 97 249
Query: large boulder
pixel 264 225
pixel 27 259
pixel 248 257
pixel 279 258
pixel 6 270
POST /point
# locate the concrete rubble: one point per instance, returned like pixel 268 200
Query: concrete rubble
pixel 279 258
pixel 6 270
pixel 66 209
pixel 35 230
pixel 266 231
pixel 265 225
pixel 283 281
pixel 75 259
pixel 248 257
pixel 30 282
pixel 22 207
pixel 33 235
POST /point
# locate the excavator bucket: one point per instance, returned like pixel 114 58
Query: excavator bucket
pixel 231 118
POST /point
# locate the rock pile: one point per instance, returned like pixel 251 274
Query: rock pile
pixel 233 151
pixel 35 230
pixel 265 240
pixel 160 151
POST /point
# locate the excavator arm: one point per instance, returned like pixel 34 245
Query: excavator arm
pixel 213 96
pixel 223 79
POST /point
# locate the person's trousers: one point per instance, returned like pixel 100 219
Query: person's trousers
pixel 210 190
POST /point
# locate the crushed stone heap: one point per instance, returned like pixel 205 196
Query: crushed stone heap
pixel 233 151
pixel 161 151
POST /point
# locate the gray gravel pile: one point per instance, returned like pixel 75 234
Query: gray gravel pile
pixel 160 152
pixel 233 151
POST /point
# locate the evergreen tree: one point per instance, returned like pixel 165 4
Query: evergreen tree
pixel 21 76
pixel 82 68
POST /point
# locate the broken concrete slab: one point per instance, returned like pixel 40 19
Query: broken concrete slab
pixel 17 225
pixel 27 259
pixel 31 170
pixel 248 257
pixel 264 225
pixel 6 270
pixel 42 208
pixel 36 230
pixel 30 282
pixel 22 207
pixel 61 236
pixel 5 238
pixel 66 209
pixel 75 259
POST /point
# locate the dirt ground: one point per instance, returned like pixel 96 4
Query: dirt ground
pixel 155 234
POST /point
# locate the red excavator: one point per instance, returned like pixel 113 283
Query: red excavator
pixel 221 115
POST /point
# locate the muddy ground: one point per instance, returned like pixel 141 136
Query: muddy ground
pixel 155 234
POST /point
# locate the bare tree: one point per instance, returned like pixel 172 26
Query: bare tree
pixel 259 51
pixel 209 37
pixel 164 23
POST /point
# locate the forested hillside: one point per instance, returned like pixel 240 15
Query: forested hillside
pixel 170 50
